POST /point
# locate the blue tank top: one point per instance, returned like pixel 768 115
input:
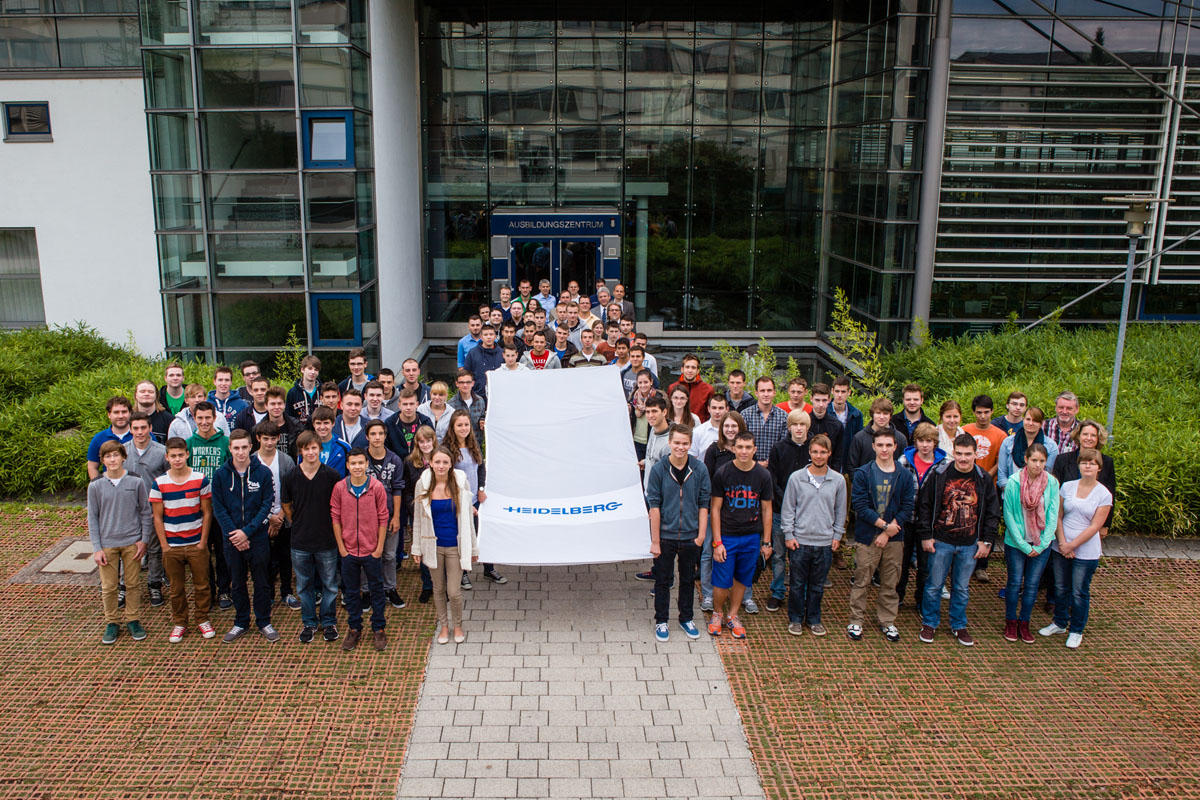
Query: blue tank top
pixel 445 522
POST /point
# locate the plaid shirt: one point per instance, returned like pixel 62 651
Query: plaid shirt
pixel 767 432
pixel 1061 436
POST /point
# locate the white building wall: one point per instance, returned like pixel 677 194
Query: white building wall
pixel 87 194
pixel 395 98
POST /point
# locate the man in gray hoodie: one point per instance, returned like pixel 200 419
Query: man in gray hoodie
pixel 814 519
pixel 147 459
pixel 120 525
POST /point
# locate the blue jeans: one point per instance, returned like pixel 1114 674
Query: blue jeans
pixel 257 560
pixel 352 566
pixel 706 564
pixel 1072 589
pixel 779 559
pixel 810 566
pixel 312 567
pixel 1027 570
pixel 958 561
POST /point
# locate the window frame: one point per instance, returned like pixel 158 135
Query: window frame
pixel 306 120
pixel 355 299
pixel 10 136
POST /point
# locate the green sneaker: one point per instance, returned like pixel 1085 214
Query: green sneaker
pixel 111 631
pixel 136 630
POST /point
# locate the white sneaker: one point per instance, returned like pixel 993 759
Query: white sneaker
pixel 207 630
pixel 1074 640
pixel 1051 630
pixel 177 634
pixel 945 593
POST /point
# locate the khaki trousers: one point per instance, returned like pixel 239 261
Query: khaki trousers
pixel 447 587
pixel 110 579
pixel 175 561
pixel 887 602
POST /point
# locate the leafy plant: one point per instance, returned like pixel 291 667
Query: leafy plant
pixel 288 358
pixel 756 362
pixel 859 346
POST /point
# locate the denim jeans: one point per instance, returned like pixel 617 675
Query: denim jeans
pixel 958 561
pixel 373 567
pixel 281 561
pixel 809 566
pixel 1073 596
pixel 686 553
pixel 310 568
pixel 257 560
pixel 779 559
pixel 706 564
pixel 1027 570
pixel 912 547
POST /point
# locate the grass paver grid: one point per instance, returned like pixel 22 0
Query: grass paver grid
pixel 828 717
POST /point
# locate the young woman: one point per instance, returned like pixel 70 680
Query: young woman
pixel 444 538
pixel 637 411
pixel 1030 521
pixel 679 411
pixel 1084 510
pixel 436 409
pixel 468 458
pixel 717 454
pixel 1013 449
pixel 424 443
pixel 1089 434
pixel 949 425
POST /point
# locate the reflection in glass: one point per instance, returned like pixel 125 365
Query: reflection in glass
pixel 172 141
pixel 333 22
pixel 258 320
pixel 28 44
pixel 590 80
pixel 658 82
pixel 244 22
pixel 330 200
pixel 456 161
pixel 522 164
pixel 521 81
pixel 177 202
pixel 98 42
pixel 335 319
pixel 250 202
pixel 334 76
pixel 165 22
pixel 168 78
pixel 181 261
pixel 454 81
pixel 257 77
pixel 258 261
pixel 250 139
pixel 333 263
pixel 589 164
pixel 187 320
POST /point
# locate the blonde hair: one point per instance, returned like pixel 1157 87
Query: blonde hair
pixel 1101 432
pixel 798 415
pixel 925 432
pixel 439 387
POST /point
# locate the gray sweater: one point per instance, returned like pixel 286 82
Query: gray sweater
pixel 119 514
pixel 814 516
pixel 149 465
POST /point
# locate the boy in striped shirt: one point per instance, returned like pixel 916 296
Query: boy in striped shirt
pixel 182 503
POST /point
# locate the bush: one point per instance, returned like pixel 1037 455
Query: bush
pixel 31 359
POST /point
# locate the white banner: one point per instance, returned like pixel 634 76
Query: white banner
pixel 562 477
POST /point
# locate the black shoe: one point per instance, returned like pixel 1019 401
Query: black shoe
pixel 121 596
pixel 644 576
pixel 396 600
pixel 306 635
pixel 466 582
pixel 366 600
pixel 156 595
pixel 774 604
pixel 331 633
pixel 495 577
pixel 426 596
pixel 225 601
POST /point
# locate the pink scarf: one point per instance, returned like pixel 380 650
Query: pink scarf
pixel 1032 504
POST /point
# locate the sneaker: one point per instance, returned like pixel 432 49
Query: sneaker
pixel 662 631
pixel 207 630
pixel 1048 607
pixel 1024 632
pixel 1002 594
pixel 689 628
pixel 927 632
pixel 982 576
pixel 735 627
pixel 156 596
pixel 652 591
pixel 1052 629
pixel 839 560
pixel 644 576
pixel 1074 640
pixel 945 593
pixel 379 641
pixel 891 633
pixel 715 624
pixel 331 633
pixel 136 631
pixel 351 640
pixel 828 583
pixel 306 635
pixel 225 601
pixel 1010 630
pixel 817 630
pixel 854 631
pixel 750 606
pixel 121 596
pixel 495 577
pixel 796 629
pixel 466 583
pixel 875 579
pixel 706 605
pixel 269 633
pixel 964 638
pixel 774 603
pixel 426 596
pixel 395 599
pixel 292 602
pixel 235 633
pixel 177 634
pixel 111 631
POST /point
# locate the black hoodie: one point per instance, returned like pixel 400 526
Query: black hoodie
pixel 300 405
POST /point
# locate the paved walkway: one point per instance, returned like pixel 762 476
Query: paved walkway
pixel 561 691
pixel 1147 547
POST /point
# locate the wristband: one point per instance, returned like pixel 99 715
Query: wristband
pixel 718 544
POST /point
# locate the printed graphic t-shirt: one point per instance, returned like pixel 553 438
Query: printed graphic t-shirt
pixel 742 496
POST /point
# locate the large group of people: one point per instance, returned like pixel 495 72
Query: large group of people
pixel 327 482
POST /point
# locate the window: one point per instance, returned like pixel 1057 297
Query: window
pixel 20 280
pixel 27 122
pixel 337 320
pixel 328 139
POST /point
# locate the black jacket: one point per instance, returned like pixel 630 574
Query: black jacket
pixel 715 458
pixel 786 457
pixel 395 437
pixel 929 504
pixel 1066 468
pixel 862 447
pixel 287 434
pixel 900 423
pixel 830 426
pixel 300 405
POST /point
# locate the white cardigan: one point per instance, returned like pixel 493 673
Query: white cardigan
pixel 424 542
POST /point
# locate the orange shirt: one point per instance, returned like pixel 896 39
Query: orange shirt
pixel 987 444
pixel 786 405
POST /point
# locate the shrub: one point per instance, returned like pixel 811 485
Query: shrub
pixel 31 359
pixel 755 364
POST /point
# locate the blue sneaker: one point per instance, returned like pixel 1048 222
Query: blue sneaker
pixel 662 632
pixel 689 628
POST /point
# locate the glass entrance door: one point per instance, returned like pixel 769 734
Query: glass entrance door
pixel 578 260
pixel 560 260
pixel 532 260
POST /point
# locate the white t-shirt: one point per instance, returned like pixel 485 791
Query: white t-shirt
pixel 276 506
pixel 1078 515
pixel 703 435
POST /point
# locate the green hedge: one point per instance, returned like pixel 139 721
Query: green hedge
pixel 33 359
pixel 1157 430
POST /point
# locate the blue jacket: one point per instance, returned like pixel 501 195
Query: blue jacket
pixel 481 361
pixel 243 501
pixel 230 407
pixel 899 509
pixel 679 505
pixel 852 425
pixel 338 450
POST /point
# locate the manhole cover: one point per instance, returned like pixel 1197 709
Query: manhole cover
pixel 76 559
pixel 67 562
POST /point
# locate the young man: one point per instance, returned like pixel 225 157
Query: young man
pixel 333 450
pixel 358 378
pixel 243 493
pixel 621 352
pixel 147 459
pixel 524 294
pixel 331 398
pixel 957 519
pixel 250 370
pixel 119 526
pixel 656 444
pixel 608 347
pixel 562 347
pixel 587 356
pixel 544 298
pixel 538 357
pixel 495 318
pixel 484 358
pixel 572 323
pixel 1014 416
pixel 360 521
pixel 883 496
pixel 988 437
pixel 797 388
pixel 467 400
pixel 637 363
pixel 626 306
pixel 586 317
pixel 145 400
pixel 649 360
pixel 862 447
pixel 822 421
pixel 787 456
pixel 736 395
pixel 814 520
pixel 1062 425
pixel 227 402
pixel 373 407
pixel 504 305
pixel 403 426
pixel 411 371
pixel 388 468
pixel 509 351
pixel 508 337
pixel 539 324
pixel 391 397
pixel 698 390
pixel 742 491
pixel 850 417
pixel 182 504
pixel 170 395
pixel 118 409
pixel 184 424
pixel 919 459
pixel 678 492
pixel 287 428
pixel 470 340
pixel 706 432
pixel 766 422
pixel 349 424
pixel 303 398
pixel 279 532
pixel 256 412
pixel 908 418
pixel 306 498
pixel 208 448
pixel 627 331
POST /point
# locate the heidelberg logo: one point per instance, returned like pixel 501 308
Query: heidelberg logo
pixel 598 508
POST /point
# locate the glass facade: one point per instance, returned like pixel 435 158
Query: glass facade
pixel 258 232
pixel 68 34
